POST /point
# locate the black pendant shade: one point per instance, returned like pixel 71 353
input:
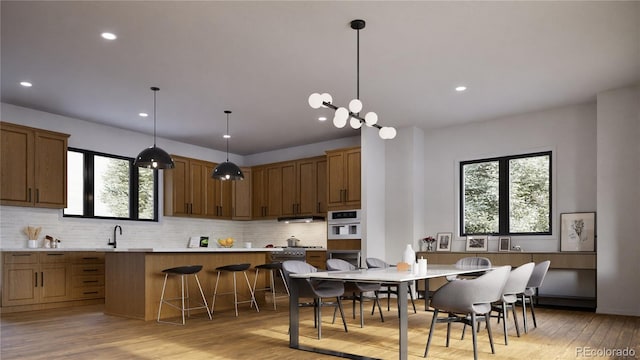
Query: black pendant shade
pixel 154 157
pixel 227 170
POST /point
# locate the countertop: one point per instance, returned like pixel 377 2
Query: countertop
pixel 152 250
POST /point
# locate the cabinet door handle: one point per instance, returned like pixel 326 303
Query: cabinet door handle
pixel 29 195
pixel 186 208
pixel 36 278
pixel 37 195
pixel 90 281
pixel 41 279
pixel 89 270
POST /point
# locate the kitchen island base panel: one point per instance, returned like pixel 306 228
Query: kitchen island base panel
pixel 134 280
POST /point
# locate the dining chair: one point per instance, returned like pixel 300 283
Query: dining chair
pixel 356 289
pixel 470 261
pixel 389 288
pixel 314 289
pixel 464 301
pixel 516 284
pixel 535 281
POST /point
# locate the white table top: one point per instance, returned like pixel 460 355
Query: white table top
pixel 392 274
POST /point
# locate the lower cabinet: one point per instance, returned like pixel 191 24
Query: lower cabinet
pixel 317 258
pixel 36 278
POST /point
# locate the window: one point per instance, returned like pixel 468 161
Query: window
pixel 509 195
pixel 110 187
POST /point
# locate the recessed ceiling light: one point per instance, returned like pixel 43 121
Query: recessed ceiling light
pixel 226 136
pixel 108 36
pixel 461 88
pixel 143 114
pixel 26 84
pixel 322 118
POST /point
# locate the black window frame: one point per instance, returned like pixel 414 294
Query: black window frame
pixel 503 194
pixel 89 187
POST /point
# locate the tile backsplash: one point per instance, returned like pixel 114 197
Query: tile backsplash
pixel 169 232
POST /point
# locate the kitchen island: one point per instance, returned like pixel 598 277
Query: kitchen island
pixel 134 278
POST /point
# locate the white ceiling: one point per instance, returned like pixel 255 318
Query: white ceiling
pixel 262 60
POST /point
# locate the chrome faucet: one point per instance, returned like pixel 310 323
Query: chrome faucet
pixel 115 241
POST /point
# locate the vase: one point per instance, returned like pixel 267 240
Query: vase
pixel 429 247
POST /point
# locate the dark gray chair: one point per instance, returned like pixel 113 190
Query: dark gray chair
pixel 464 300
pixel 388 288
pixel 315 289
pixel 356 289
pixel 537 277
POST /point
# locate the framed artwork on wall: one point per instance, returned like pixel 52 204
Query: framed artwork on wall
pixel 578 231
pixel 443 241
pixel 504 243
pixel 477 243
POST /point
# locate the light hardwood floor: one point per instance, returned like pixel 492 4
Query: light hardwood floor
pixel 86 333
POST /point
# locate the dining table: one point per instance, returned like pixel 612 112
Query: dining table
pixel 374 275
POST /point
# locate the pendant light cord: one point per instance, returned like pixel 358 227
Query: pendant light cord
pixel 228 136
pixel 155 90
pixel 358 64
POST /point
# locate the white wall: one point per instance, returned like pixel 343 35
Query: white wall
pixel 618 189
pixel 405 189
pixel 570 132
pixel 169 231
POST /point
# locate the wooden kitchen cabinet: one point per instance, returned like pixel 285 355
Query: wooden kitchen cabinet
pixel 317 258
pixel 343 179
pixel 87 275
pixel 35 277
pixel 190 191
pixel 266 190
pixel 304 187
pixel 34 167
pixel 242 197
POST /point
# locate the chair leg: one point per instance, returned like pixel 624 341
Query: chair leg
pixel 215 292
pixel 361 311
pixel 344 322
pixel 464 329
pixel 162 296
pixel 204 299
pixel 515 319
pixel 487 317
pixel 504 321
pixel 524 313
pixel 433 326
pixel 319 318
pixel 377 301
pixel 253 296
pixel 449 332
pixel 412 302
pixel 474 336
pixel 272 281
pixel 533 312
pixel 182 291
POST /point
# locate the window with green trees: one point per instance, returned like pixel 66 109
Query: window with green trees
pixel 108 186
pixel 509 195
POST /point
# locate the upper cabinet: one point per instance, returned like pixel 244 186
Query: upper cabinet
pixel 33 167
pixel 304 187
pixel 266 191
pixel 189 190
pixel 343 179
pixel 242 197
pixel 289 188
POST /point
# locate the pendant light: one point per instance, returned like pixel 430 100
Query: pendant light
pixel 154 157
pixel 227 170
pixel 352 114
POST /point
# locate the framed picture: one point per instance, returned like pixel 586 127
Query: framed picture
pixel 504 243
pixel 578 231
pixel 443 241
pixel 477 243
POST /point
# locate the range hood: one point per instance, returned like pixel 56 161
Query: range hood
pixel 300 219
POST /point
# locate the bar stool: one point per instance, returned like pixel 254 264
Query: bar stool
pixel 271 267
pixel 183 272
pixel 233 269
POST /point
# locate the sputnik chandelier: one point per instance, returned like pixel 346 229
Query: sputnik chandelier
pixel 342 114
